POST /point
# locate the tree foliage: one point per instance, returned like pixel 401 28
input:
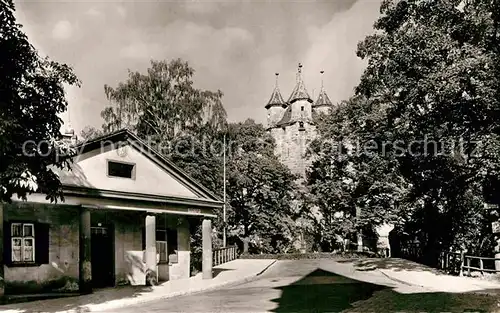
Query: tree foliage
pixel 260 189
pixel 163 102
pixel 31 97
pixel 422 128
pixel 188 125
pixel 89 133
pixel 164 108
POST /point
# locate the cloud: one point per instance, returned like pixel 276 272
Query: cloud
pixel 121 11
pixel 62 30
pixel 93 12
pixel 139 50
pixel 201 7
pixel 187 39
pixel 233 47
pixel 333 48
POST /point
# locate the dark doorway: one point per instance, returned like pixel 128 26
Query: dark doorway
pixel 103 263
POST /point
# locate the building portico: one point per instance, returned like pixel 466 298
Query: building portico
pixel 108 231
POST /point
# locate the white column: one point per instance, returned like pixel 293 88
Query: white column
pixel 207 249
pixel 150 256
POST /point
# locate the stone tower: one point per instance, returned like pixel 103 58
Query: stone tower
pixel 292 126
pixel 275 106
pixel 291 123
pixel 323 103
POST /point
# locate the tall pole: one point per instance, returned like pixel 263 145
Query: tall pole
pixel 224 177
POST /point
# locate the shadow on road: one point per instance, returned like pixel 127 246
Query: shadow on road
pixel 77 303
pixel 322 291
pixel 389 301
pixel 389 263
pixel 217 271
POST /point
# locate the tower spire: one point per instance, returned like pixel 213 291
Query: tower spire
pixel 323 99
pixel 68 128
pixel 69 116
pixel 276 98
pixel 299 73
pixel 299 92
pixel 322 87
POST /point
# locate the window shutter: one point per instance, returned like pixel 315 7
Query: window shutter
pixel 7 244
pixel 143 238
pixel 172 241
pixel 42 242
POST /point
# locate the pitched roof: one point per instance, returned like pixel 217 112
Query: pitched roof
pixel 287 116
pixel 76 177
pixel 72 177
pixel 300 91
pixel 323 99
pixel 276 99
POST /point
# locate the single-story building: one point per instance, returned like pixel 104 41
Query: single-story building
pixel 126 217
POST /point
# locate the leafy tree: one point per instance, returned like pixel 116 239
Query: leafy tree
pixel 188 126
pixel 163 102
pixel 89 133
pixel 428 106
pixel 165 109
pixel 31 97
pixel 260 189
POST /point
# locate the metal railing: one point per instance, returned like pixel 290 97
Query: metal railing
pixel 224 255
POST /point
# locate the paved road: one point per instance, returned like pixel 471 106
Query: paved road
pixel 288 286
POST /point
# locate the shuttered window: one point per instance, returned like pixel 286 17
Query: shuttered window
pixel 26 243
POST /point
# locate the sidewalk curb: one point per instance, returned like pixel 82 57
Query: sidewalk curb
pixel 266 268
pixel 399 281
pixel 123 304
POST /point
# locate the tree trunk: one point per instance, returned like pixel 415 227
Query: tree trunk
pixel 245 245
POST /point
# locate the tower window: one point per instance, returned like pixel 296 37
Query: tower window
pixel 302 108
pixel 301 124
pixel 120 169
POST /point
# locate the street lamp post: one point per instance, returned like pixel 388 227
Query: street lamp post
pixel 224 196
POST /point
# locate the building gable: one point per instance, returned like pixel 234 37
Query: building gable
pixel 122 162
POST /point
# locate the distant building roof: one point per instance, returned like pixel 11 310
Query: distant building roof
pixel 323 100
pixel 75 176
pixel 276 98
pixel 300 91
pixel 287 116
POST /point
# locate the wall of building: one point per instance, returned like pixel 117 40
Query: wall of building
pixel 322 110
pixel 182 269
pixel 149 178
pixel 291 145
pixel 298 113
pixel 129 265
pixel 62 271
pixel 274 115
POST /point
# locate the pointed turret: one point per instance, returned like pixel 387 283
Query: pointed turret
pixel 276 98
pixel 69 133
pixel 299 92
pixel 275 106
pixel 323 99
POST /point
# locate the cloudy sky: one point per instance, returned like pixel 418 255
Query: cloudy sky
pixel 233 46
